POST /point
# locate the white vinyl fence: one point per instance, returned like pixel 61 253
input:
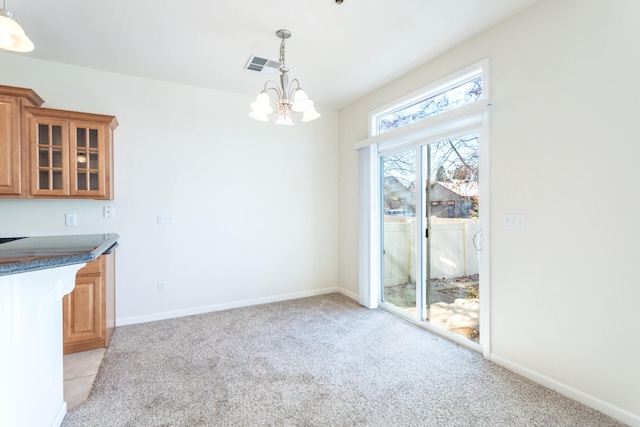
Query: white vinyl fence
pixel 452 250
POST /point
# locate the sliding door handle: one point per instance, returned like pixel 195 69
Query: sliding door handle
pixel 477 240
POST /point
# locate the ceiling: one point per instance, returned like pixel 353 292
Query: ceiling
pixel 339 52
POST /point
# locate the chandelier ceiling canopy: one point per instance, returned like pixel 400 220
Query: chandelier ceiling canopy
pixel 289 97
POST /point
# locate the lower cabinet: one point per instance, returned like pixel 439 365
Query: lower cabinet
pixel 88 313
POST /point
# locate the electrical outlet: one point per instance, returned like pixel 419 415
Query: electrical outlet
pixel 108 211
pixel 165 218
pixel 70 220
pixel 162 287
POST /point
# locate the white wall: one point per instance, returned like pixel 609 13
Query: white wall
pixel 564 149
pixel 255 204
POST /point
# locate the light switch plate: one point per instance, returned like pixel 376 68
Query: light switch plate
pixel 165 218
pixel 108 211
pixel 70 220
pixel 515 221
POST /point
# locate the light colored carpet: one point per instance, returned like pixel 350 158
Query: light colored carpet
pixel 319 361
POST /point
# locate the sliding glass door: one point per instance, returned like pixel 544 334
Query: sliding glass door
pixel 398 223
pixel 451 223
pixel 430 233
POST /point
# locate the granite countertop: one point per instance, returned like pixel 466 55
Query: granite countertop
pixel 24 254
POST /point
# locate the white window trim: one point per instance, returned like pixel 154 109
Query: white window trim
pixel 434 125
pixel 480 68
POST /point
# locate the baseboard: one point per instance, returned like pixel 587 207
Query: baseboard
pixel 573 393
pixel 224 306
pixel 61 414
pixel 349 294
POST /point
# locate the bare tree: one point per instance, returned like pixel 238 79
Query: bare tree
pixel 458 157
pixel 466 93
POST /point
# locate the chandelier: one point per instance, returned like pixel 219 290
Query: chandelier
pixel 290 97
pixel 12 36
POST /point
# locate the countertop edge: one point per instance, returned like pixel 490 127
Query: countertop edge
pixel 60 261
pixel 44 264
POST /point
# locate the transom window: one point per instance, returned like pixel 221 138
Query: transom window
pixel 455 93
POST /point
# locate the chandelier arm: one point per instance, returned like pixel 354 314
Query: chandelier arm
pixel 274 88
pixel 293 89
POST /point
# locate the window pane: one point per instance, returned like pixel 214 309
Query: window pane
pixel 43 134
pixel 57 158
pixel 81 138
pixel 466 93
pixel 57 180
pixel 43 180
pixel 93 181
pixel 56 135
pixel 81 160
pixel 451 169
pixel 82 180
pixel 93 138
pixel 398 187
pixel 43 158
pixel 93 163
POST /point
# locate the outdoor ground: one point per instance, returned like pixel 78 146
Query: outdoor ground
pixel 455 303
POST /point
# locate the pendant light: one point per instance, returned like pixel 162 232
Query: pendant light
pixel 12 36
pixel 290 97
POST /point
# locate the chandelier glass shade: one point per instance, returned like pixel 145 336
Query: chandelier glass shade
pixel 12 36
pixel 290 98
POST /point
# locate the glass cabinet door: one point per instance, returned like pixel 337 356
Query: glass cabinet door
pixel 51 158
pixel 87 159
pixel 71 154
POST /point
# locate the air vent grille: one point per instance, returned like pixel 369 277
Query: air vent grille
pixel 262 65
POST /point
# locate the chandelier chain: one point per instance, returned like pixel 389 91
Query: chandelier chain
pixel 282 54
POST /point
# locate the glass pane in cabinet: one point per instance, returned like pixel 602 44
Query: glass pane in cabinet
pixel 56 135
pixel 43 134
pixel 56 158
pixel 57 180
pixel 43 180
pixel 93 138
pixel 93 181
pixel 81 139
pixel 93 161
pixel 43 157
pixel 81 160
pixel 82 180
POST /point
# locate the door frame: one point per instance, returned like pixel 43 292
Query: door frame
pixel 470 119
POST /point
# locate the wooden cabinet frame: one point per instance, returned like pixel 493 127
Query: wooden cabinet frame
pixel 88 312
pixel 69 122
pixel 12 170
pixel 20 164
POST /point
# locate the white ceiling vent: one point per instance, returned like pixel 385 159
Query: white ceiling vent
pixel 262 65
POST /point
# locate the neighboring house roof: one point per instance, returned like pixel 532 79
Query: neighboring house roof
pixel 460 187
pixel 394 184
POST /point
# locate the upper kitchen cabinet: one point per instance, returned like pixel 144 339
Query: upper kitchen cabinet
pixel 71 153
pixel 12 171
pixel 48 153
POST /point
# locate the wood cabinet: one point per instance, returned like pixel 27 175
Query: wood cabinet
pixel 12 174
pixel 71 153
pixel 88 312
pixel 49 153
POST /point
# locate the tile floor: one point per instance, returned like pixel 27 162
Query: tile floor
pixel 80 371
